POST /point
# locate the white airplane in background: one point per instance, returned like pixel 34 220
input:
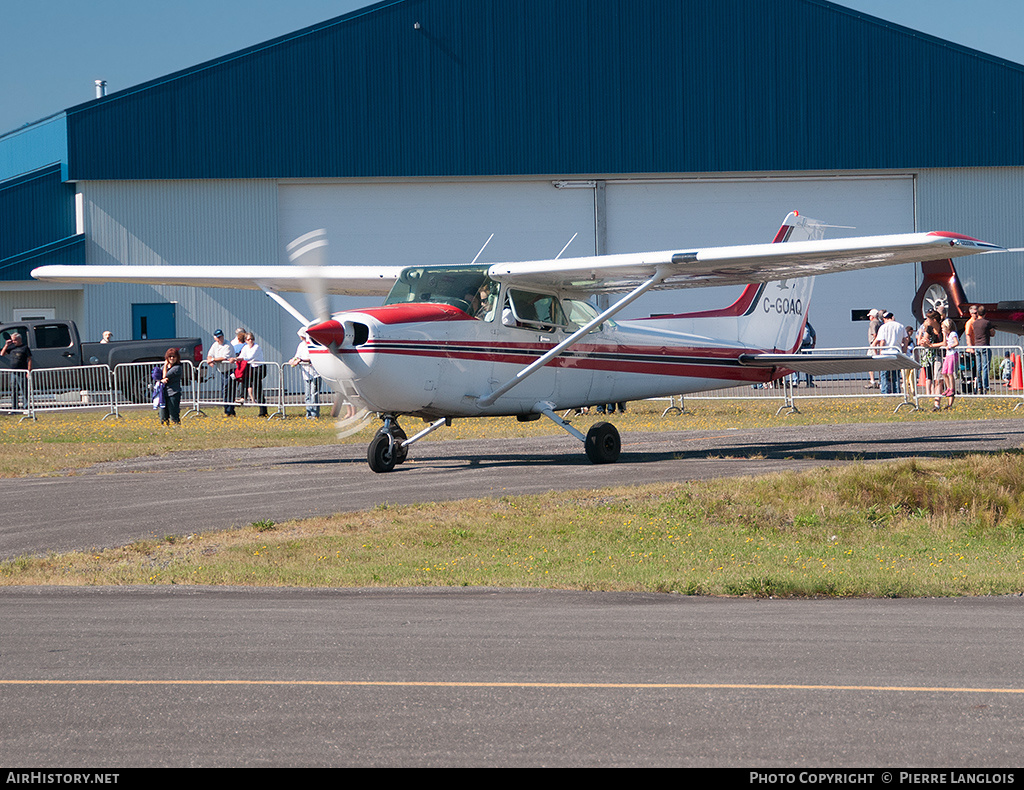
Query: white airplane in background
pixel 522 339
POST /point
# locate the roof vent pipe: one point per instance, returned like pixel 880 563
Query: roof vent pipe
pixel 101 88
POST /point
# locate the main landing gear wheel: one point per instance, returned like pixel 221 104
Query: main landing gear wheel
pixel 603 443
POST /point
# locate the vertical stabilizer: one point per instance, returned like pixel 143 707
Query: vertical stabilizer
pixel 776 319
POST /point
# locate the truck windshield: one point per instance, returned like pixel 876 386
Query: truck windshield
pixel 464 287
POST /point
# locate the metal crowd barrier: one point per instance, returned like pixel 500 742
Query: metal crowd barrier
pixel 307 394
pixel 16 391
pixel 283 387
pixel 71 389
pixel 911 386
pixel 217 388
pixel 968 378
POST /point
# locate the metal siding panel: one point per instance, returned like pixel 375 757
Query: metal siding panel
pixel 986 203
pixel 488 87
pixel 36 210
pixel 66 302
pixel 184 222
pixel 33 147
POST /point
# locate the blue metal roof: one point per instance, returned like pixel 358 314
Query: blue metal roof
pixel 506 87
pixel 37 213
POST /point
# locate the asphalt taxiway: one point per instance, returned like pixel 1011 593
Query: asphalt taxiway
pixel 220 677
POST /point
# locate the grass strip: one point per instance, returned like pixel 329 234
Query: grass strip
pixel 935 527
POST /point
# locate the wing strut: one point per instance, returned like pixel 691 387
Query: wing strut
pixel 660 274
pixel 285 304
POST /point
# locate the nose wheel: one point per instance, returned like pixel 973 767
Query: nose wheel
pixel 387 450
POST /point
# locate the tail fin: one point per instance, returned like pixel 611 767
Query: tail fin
pixel 779 309
pixel 797 228
pixel 767 316
pixel 940 284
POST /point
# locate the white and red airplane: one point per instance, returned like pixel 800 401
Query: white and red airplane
pixel 523 339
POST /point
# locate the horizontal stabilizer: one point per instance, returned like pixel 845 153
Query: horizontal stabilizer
pixel 825 364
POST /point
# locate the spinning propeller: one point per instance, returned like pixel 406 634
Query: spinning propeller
pixel 309 252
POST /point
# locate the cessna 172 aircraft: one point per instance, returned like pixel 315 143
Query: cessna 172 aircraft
pixel 523 339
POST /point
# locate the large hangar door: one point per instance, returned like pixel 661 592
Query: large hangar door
pixel 717 212
pixel 448 222
pixel 429 222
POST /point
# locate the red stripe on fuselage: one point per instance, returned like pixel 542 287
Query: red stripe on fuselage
pixel 650 363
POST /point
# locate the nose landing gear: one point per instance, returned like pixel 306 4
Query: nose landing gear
pixel 388 448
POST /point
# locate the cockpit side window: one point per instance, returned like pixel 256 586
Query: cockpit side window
pixel 580 313
pixel 531 309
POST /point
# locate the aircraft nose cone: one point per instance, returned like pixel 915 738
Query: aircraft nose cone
pixel 327 333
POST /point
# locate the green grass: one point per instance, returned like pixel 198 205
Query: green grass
pixel 938 527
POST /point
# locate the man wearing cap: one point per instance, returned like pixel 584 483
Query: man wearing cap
pixel 892 340
pixel 19 357
pixel 222 357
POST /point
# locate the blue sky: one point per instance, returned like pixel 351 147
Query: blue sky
pixel 51 51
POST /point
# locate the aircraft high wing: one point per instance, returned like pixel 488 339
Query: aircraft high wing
pixel 523 339
pixel 678 268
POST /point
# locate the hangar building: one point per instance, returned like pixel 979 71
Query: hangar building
pixel 412 130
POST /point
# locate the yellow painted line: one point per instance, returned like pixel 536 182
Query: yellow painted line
pixel 513 684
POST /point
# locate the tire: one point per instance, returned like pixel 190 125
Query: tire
pixel 603 444
pixel 379 455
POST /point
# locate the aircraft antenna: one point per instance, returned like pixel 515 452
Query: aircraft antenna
pixel 483 248
pixel 577 233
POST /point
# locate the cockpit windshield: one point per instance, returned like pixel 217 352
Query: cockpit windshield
pixel 465 287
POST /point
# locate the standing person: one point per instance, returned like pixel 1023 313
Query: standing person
pixel 170 410
pixel 874 323
pixel 929 338
pixel 1006 368
pixel 970 361
pixel 982 333
pixel 239 341
pixel 310 379
pixel 950 341
pixel 808 341
pixel 222 357
pixel 910 347
pixel 20 358
pixel 890 339
pixel 252 380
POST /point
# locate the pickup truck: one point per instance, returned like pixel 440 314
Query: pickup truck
pixel 57 344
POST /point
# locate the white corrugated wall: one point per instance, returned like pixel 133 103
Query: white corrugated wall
pixel 183 222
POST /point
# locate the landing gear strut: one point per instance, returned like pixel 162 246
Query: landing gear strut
pixel 602 442
pixel 390 446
